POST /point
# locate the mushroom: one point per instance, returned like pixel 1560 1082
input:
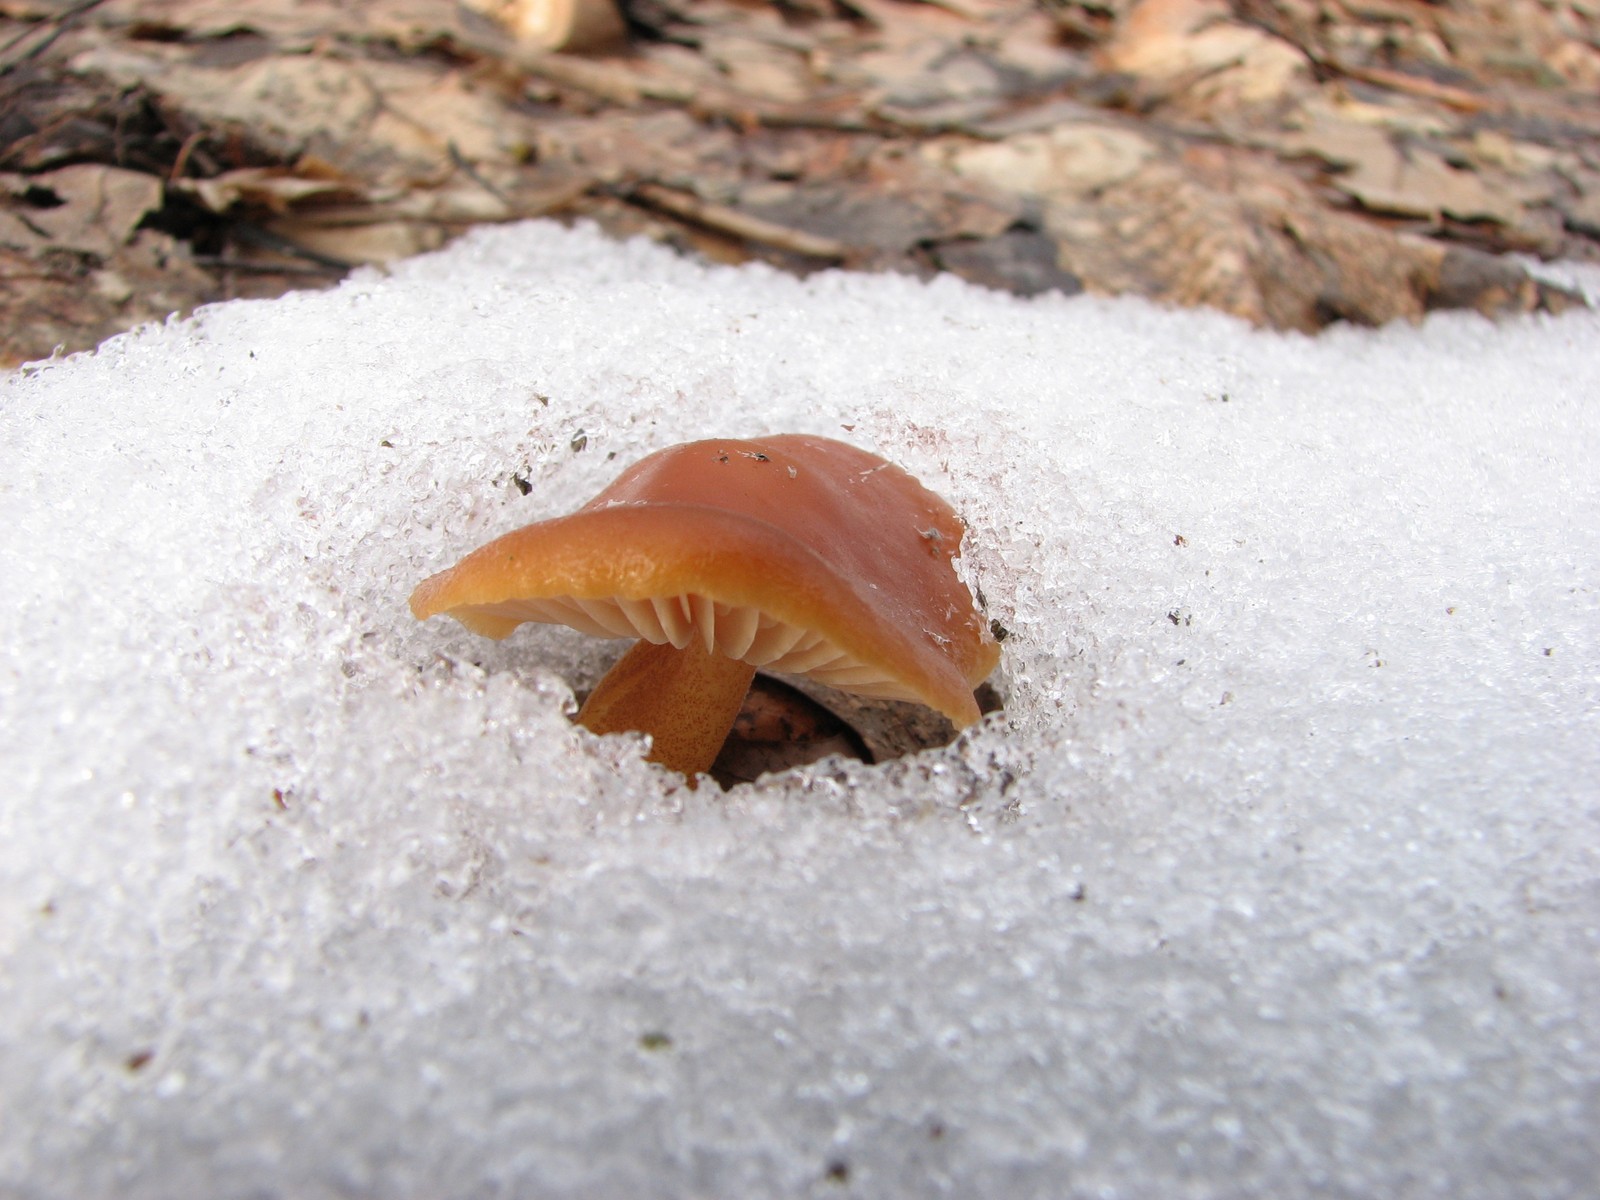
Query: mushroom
pixel 796 554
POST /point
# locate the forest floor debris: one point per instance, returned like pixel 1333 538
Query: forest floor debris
pixel 1295 162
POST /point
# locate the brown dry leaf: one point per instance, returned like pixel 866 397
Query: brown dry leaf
pixel 1403 160
pixel 871 221
pixel 1419 183
pixel 1195 52
pixel 375 229
pixel 273 189
pixel 1229 231
pixel 1292 161
pixel 1581 211
pixel 760 68
pixel 1388 175
pixel 667 146
pixel 1520 41
pixel 1021 259
pixel 84 209
pixel 933 70
pixel 371 240
pixel 386 120
pixel 1065 160
pixel 407 24
pixel 60 299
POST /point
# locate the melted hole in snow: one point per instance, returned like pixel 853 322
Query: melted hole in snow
pixel 793 721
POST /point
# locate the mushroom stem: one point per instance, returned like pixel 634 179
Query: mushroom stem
pixel 686 700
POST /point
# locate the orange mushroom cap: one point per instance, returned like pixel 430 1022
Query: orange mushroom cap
pixel 794 553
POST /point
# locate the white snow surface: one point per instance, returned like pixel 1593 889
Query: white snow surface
pixel 1277 876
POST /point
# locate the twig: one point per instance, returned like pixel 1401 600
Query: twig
pixel 254 235
pixel 730 220
pixel 607 83
pixel 61 23
pixel 1274 22
pixel 876 123
pixel 181 162
pixel 1415 85
pixel 224 263
pixel 472 173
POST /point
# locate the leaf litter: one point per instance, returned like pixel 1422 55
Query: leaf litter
pixel 1294 162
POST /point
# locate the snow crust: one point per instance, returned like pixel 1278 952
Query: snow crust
pixel 1279 875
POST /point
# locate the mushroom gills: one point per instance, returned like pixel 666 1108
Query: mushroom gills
pixel 734 631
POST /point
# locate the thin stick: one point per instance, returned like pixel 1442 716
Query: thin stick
pixel 60 22
pixel 1415 85
pixel 730 220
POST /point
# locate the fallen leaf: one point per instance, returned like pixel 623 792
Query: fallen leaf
pixel 275 189
pixel 1067 160
pixel 1196 47
pixel 87 209
pixel 1417 182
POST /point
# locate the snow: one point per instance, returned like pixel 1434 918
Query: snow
pixel 1279 875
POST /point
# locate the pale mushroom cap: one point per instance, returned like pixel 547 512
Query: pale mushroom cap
pixel 796 554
